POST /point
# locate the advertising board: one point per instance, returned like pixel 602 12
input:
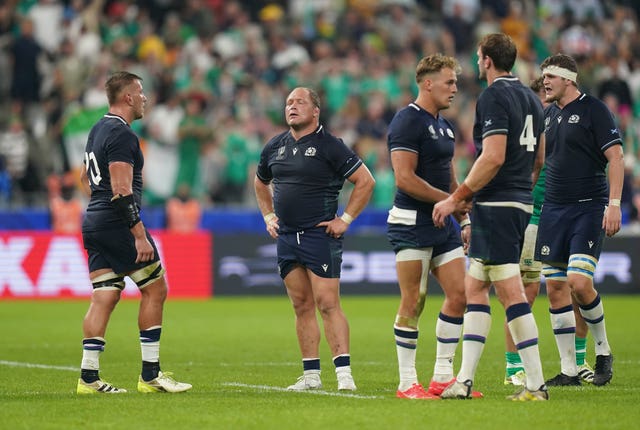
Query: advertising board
pixel 35 264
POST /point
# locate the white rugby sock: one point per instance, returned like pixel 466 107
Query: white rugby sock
pixel 477 322
pixel 563 323
pixel 406 345
pixel 448 331
pixel 593 315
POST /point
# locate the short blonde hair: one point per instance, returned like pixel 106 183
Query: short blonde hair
pixel 435 63
pixel 117 82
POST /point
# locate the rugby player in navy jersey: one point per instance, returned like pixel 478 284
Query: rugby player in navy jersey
pixel 508 133
pixel 298 179
pixel 421 144
pixel 117 242
pixel 531 269
pixel 581 205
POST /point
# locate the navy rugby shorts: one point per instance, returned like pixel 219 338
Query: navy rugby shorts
pixel 565 230
pixel 312 248
pixel 114 249
pixel 497 233
pixel 424 236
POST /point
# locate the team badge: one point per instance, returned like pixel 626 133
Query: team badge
pixel 545 250
pixel 432 132
pixel 574 119
pixel 450 133
pixel 310 152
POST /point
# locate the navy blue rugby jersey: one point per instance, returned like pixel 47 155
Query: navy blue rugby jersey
pixel 307 176
pixel 577 137
pixel 415 130
pixel 111 139
pixel 508 107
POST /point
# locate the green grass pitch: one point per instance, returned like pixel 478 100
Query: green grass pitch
pixel 239 353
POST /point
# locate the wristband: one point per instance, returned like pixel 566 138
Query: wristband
pixel 614 202
pixel 462 193
pixel 348 219
pixel 126 208
pixel 464 223
pixel 268 217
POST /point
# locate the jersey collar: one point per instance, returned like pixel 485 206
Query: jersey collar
pixel 114 116
pixel 317 133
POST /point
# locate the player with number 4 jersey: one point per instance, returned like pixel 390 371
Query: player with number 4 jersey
pixel 508 133
pixel 508 105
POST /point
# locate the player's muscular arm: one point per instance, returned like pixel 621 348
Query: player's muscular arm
pixel 84 182
pixel 454 179
pixel 264 197
pixel 483 170
pixel 404 167
pixel 463 218
pixel 488 163
pixel 612 220
pixel 460 217
pixel 121 175
pixel 539 161
pixel 363 184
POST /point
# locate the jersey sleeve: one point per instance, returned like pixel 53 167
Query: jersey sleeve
pixel 122 146
pixel 403 134
pixel 263 171
pixel 605 130
pixel 493 114
pixel 343 159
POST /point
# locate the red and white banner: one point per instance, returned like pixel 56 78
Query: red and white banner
pixel 37 264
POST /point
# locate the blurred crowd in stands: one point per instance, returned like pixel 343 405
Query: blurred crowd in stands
pixel 217 72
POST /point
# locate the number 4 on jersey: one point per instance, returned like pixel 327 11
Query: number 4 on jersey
pixel 526 137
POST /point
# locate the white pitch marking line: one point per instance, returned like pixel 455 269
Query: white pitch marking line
pixel 37 366
pixel 316 392
pixel 267 363
pixel 291 363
